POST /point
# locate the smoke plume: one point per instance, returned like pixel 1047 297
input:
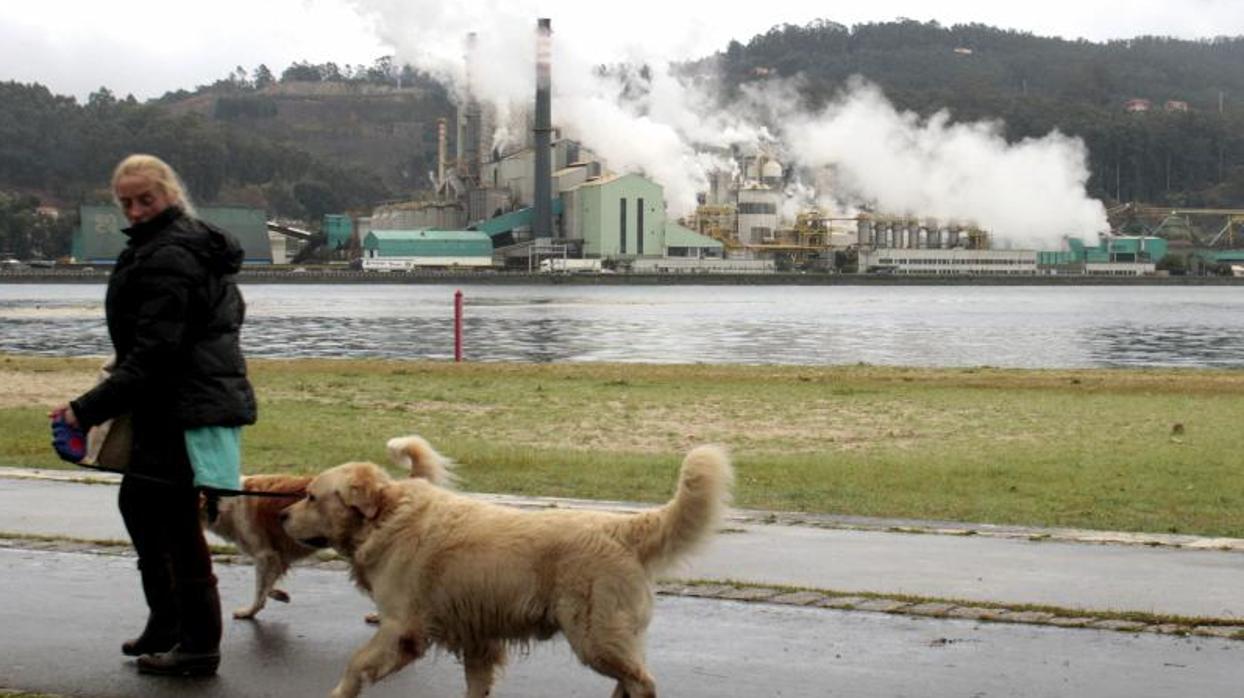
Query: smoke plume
pixel 1027 194
pixel 633 111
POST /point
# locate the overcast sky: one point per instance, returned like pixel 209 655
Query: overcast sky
pixel 148 47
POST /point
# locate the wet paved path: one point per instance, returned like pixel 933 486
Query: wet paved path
pixel 66 614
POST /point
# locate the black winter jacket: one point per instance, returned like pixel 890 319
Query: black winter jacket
pixel 174 313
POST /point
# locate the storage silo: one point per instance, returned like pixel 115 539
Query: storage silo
pixel 771 174
pixel 758 215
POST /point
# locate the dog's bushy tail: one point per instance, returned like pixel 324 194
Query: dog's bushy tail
pixel 417 455
pixel 662 536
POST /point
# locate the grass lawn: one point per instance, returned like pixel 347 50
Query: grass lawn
pixel 1133 450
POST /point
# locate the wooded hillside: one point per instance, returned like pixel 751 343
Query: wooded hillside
pixel 325 138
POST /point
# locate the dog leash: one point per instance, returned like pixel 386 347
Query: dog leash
pixel 69 442
pixel 218 491
pixel 211 495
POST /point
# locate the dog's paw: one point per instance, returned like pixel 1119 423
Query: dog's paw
pixel 345 690
pixel 372 618
pixel 247 613
pixel 279 595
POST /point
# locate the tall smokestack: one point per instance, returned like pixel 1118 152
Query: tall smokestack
pixel 542 220
pixel 440 150
pixel 470 148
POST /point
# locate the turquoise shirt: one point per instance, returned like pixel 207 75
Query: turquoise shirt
pixel 216 456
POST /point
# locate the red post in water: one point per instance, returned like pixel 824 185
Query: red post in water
pixel 458 325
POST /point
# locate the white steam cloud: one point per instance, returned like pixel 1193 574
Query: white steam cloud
pixel 639 117
pixel 1030 193
pixel 649 135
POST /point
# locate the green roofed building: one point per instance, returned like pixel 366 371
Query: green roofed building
pixel 99 240
pixel 623 217
pixel 394 250
pixel 617 217
pixel 681 241
pixel 1108 250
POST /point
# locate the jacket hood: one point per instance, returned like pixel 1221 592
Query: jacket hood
pixel 219 251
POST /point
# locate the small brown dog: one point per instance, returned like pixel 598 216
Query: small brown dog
pixel 475 577
pixel 253 524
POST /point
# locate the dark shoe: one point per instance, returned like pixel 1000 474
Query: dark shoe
pixel 150 642
pixel 177 662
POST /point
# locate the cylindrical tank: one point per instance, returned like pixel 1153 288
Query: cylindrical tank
pixel 771 173
pixel 757 215
pixel 864 232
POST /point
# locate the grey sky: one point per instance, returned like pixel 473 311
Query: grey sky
pixel 147 47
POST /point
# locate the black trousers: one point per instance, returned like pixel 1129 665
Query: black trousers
pixel 173 559
pixel 163 523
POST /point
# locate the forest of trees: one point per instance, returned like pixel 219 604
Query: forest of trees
pixel 52 144
pixel 242 148
pixel 55 150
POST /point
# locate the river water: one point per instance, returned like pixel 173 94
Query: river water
pixel 1004 326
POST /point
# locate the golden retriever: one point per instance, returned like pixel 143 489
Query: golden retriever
pixel 253 523
pixel 475 577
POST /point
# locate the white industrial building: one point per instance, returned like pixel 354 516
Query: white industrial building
pixel 949 262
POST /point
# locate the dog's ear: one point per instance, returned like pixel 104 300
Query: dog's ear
pixel 363 492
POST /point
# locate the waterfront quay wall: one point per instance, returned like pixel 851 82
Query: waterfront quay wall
pixel 263 276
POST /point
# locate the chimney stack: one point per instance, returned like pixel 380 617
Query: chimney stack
pixel 441 126
pixel 470 156
pixel 542 219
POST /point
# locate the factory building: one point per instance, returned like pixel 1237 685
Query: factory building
pixel 403 250
pixel 926 261
pixel 535 195
pixel 509 182
pixel 757 217
pixel 1113 256
pixel 623 217
pixel 743 208
pixel 684 243
pixel 99 240
pixel 538 195
pixel 616 217
pixel 705 265
pixel 338 231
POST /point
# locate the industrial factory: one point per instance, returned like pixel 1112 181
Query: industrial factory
pixel 549 203
pixel 544 202
pixel 543 197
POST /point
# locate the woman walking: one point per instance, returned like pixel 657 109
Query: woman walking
pixel 174 313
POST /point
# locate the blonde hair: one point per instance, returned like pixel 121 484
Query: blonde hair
pixel 159 173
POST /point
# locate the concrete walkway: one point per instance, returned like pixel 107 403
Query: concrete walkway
pixel 68 604
pixel 66 614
